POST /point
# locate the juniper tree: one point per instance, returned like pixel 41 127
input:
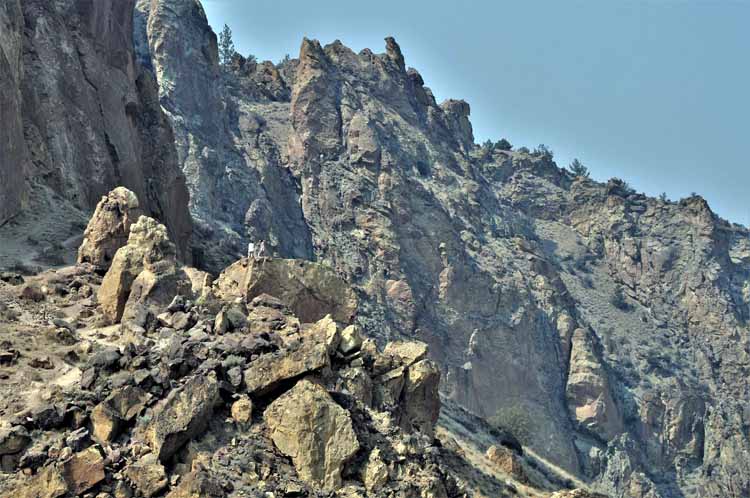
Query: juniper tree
pixel 578 169
pixel 226 46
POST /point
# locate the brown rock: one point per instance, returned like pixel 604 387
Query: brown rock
pixel 109 228
pixel 242 410
pixel 351 340
pixel 408 352
pixel 311 290
pixel 308 426
pixel 420 405
pixel 267 372
pixel 83 470
pixel 588 392
pixel 197 484
pixel 120 407
pixel 375 472
pixel 507 461
pixel 181 416
pixel 146 265
pixel 148 475
pixel 48 483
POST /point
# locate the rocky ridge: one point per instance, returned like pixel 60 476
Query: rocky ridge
pixel 605 329
pixel 207 394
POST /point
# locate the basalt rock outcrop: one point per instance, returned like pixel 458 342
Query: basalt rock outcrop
pixel 109 228
pixel 163 406
pixel 144 273
pixel 81 116
pixel 606 330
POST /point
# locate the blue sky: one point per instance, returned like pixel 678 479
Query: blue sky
pixel 654 92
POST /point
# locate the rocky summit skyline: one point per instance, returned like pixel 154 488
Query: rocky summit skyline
pixel 230 277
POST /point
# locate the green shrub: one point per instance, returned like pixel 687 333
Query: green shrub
pixel 503 144
pixel 578 169
pixel 516 420
pixel 544 151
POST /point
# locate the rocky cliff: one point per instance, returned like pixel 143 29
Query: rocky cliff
pixel 80 115
pixel 607 330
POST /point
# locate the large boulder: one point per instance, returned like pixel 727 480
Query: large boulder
pixel 109 228
pixel 269 371
pixel 311 290
pixel 148 475
pixel 307 425
pixel 420 401
pixel 149 252
pixel 197 484
pixel 119 408
pixel 181 416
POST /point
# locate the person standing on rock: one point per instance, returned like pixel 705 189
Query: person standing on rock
pixel 261 250
pixel 251 250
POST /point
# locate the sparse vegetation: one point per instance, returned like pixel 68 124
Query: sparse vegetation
pixel 619 301
pixel 577 168
pixel 516 420
pixel 503 144
pixel 663 197
pixel 622 185
pixel 544 151
pixel 226 46
pixel 525 150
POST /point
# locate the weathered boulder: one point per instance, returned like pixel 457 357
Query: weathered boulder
pixel 420 401
pixel 242 410
pixel 507 461
pixel 351 340
pixel 311 290
pixel 109 228
pixel 48 483
pixel 181 416
pixel 269 371
pixel 308 426
pixel 83 471
pixel 197 484
pixel 120 407
pixel 148 475
pixel 375 472
pixel 588 392
pixel 149 252
pixel 408 352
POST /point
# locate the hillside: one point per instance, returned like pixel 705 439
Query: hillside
pixel 607 331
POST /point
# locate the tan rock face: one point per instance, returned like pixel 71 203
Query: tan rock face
pixel 143 272
pixel 308 426
pixel 83 470
pixel 148 475
pixel 181 416
pixel 409 352
pixel 375 472
pixel 267 372
pixel 588 391
pixel 109 228
pixel 311 290
pixel 120 407
pixel 48 483
pixel 420 401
